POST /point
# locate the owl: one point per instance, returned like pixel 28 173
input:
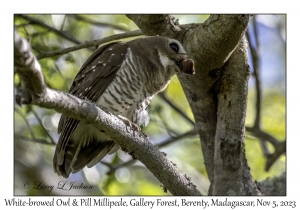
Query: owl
pixel 122 78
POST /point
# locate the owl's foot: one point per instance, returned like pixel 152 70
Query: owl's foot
pixel 130 124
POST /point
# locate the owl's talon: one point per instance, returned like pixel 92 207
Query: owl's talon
pixel 130 124
pixel 128 131
pixel 144 135
pixel 135 127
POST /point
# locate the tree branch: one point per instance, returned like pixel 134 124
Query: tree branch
pixel 89 44
pixel 96 23
pixel 262 135
pixel 179 111
pixel 58 32
pixel 27 123
pixel 114 168
pixel 279 150
pixel 256 63
pixel 280 147
pixel 41 123
pixel 40 141
pixel 135 144
pixel 177 138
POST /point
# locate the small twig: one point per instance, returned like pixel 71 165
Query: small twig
pixel 165 99
pixel 255 61
pixel 255 29
pixel 265 148
pixel 26 121
pixel 58 32
pixel 176 138
pixel 33 35
pixel 167 127
pixel 36 49
pixel 262 135
pixel 96 23
pixel 40 141
pixel 256 64
pixel 89 44
pixel 22 25
pixel 280 147
pixel 63 23
pixel 279 150
pixel 114 168
pixel 41 123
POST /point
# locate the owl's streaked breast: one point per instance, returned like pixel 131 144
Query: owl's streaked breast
pixel 127 95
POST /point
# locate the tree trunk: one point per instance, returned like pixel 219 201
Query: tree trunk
pixel 217 94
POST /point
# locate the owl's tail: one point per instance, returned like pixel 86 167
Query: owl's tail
pixel 79 150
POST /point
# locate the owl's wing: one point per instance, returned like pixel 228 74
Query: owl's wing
pixel 91 81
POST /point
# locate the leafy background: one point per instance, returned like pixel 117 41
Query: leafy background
pixel 35 129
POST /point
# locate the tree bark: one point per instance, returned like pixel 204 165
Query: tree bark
pixel 229 153
pixel 210 45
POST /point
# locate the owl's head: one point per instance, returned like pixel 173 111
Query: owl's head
pixel 169 52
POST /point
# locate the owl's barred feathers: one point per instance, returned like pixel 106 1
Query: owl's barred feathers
pixel 121 78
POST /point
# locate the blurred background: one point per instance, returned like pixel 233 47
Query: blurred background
pixel 35 129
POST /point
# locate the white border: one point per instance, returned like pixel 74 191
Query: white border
pixel 182 7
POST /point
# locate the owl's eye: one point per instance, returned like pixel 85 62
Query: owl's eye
pixel 174 47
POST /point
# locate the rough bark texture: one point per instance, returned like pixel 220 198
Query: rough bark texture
pixel 232 91
pixel 210 45
pixel 274 186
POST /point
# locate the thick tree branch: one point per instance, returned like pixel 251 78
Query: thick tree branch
pixel 223 32
pixel 152 25
pixel 135 144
